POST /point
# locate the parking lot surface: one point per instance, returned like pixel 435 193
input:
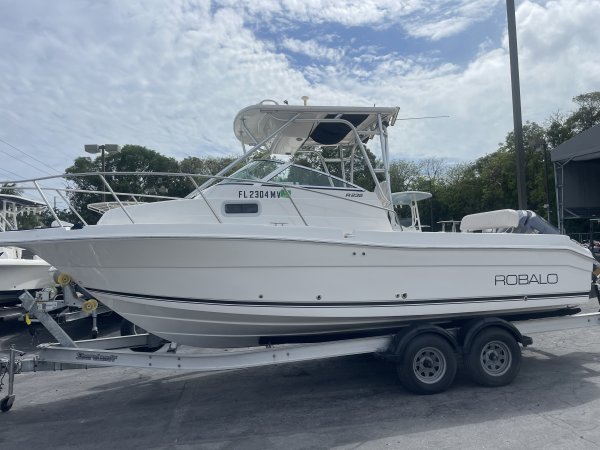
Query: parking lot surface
pixel 346 403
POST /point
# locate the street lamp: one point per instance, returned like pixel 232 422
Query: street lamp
pixel 108 148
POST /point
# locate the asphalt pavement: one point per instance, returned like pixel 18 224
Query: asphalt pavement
pixel 346 403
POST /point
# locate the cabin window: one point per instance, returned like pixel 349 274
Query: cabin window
pixel 303 176
pixel 241 208
pixel 256 170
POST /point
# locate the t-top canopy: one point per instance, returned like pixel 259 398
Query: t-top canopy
pixel 257 122
pixel 13 205
pixel 20 202
pixel 102 207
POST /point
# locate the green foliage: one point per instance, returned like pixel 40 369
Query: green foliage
pixel 133 158
pixel 205 166
pixel 28 221
pixel 562 128
pixel 404 175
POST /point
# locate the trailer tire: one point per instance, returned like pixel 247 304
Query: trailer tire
pixel 428 365
pixel 494 358
pixel 130 329
pixel 6 403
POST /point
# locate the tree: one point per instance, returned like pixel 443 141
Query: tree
pixel 404 175
pixel 132 158
pixel 563 127
pixel 362 175
pixel 206 166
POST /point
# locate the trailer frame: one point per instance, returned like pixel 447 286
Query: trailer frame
pixel 117 351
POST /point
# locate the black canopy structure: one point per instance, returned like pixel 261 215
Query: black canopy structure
pixel 577 174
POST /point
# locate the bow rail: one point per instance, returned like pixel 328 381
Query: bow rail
pixel 35 184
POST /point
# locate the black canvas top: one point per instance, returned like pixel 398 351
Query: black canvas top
pixel 582 147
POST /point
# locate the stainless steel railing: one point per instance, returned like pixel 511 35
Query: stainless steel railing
pixel 36 184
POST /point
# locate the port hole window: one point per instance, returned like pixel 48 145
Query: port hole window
pixel 241 208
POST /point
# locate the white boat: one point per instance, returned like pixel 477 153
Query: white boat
pixel 19 269
pixel 281 252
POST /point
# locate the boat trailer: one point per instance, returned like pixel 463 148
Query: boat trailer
pixel 134 350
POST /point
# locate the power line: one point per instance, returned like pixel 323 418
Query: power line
pixel 10 173
pixel 27 154
pixel 24 162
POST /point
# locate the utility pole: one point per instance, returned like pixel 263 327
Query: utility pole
pixel 516 102
pixel 108 148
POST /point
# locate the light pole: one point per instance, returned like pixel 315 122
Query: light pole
pixel 516 101
pixel 108 148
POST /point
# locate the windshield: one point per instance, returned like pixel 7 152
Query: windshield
pixel 303 176
pixel 256 170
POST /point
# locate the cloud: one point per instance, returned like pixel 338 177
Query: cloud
pixel 444 19
pixel 419 18
pixel 172 75
pixel 312 49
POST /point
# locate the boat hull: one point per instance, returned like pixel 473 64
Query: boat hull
pixel 230 290
pixel 17 275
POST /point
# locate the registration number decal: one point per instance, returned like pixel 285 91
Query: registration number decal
pixel 264 194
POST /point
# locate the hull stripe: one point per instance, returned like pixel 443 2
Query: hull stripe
pixel 320 304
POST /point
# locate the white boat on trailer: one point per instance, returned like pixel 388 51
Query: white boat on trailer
pixel 19 270
pixel 278 252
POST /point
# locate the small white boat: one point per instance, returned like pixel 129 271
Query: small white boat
pixel 19 269
pixel 282 252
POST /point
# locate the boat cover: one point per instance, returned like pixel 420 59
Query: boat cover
pixel 507 220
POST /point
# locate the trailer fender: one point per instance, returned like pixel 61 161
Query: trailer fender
pixel 471 330
pixel 402 339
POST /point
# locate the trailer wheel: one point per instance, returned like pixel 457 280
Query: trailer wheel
pixel 494 358
pixel 128 329
pixel 6 403
pixel 428 365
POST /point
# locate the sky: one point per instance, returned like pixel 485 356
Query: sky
pixel 171 75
